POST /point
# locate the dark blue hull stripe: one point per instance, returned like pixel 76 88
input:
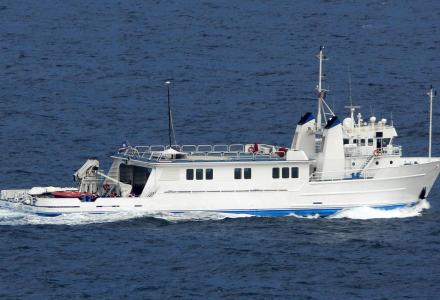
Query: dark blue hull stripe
pixel 323 212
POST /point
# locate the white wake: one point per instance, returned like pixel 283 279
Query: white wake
pixel 14 216
pixel 365 213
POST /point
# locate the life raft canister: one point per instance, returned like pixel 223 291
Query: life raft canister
pixel 253 149
pixel 281 151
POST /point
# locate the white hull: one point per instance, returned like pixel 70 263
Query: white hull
pixel 390 188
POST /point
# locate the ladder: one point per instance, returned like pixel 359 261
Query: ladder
pixel 367 163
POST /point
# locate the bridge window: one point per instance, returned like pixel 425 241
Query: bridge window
pixel 199 174
pixel 285 172
pixel 295 172
pixel 209 174
pixel 346 141
pixel 355 141
pixel 247 173
pixel 362 142
pixel 370 142
pixel 237 173
pixel 385 142
pixel 275 172
pixel 189 174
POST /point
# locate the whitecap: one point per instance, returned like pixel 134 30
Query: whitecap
pixel 365 213
pixel 16 215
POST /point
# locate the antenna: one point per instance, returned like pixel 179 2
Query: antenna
pixel 349 86
pixel 170 122
pixel 431 95
pixel 350 98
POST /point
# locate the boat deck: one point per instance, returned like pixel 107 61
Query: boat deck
pixel 234 152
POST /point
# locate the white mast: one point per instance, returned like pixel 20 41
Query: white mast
pixel 431 95
pixel 322 105
pixel 319 88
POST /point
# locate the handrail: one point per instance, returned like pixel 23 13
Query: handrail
pixel 360 151
pixel 343 174
pixel 206 152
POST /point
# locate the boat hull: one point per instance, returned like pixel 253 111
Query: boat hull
pixel 389 189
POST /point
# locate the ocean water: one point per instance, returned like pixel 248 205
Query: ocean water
pixel 77 79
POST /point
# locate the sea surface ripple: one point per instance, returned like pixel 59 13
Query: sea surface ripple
pixel 79 78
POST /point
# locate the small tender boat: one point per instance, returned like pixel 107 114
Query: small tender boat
pixel 331 165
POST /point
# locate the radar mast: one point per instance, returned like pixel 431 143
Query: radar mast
pixel 323 108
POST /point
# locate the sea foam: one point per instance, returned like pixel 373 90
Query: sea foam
pixel 15 216
pixel 365 213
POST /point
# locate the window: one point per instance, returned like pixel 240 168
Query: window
pixel 237 173
pixel 295 172
pixel 370 142
pixel 355 141
pixel 346 141
pixel 199 174
pixel 189 174
pixel 247 173
pixel 362 142
pixel 285 172
pixel 209 174
pixel 385 142
pixel 275 172
pixel 379 134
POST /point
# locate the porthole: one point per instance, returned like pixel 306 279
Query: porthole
pixel 377 162
pixel 353 164
pixel 391 162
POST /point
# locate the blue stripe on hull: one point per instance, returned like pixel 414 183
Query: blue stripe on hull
pixel 324 212
pixel 283 212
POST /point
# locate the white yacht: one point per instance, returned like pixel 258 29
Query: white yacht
pixel 331 165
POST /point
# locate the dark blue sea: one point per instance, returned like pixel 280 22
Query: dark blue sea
pixel 79 78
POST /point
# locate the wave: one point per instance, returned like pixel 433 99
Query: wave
pixel 366 213
pixel 15 216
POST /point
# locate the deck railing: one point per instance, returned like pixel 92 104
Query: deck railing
pixel 349 174
pixel 201 152
pixel 367 151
